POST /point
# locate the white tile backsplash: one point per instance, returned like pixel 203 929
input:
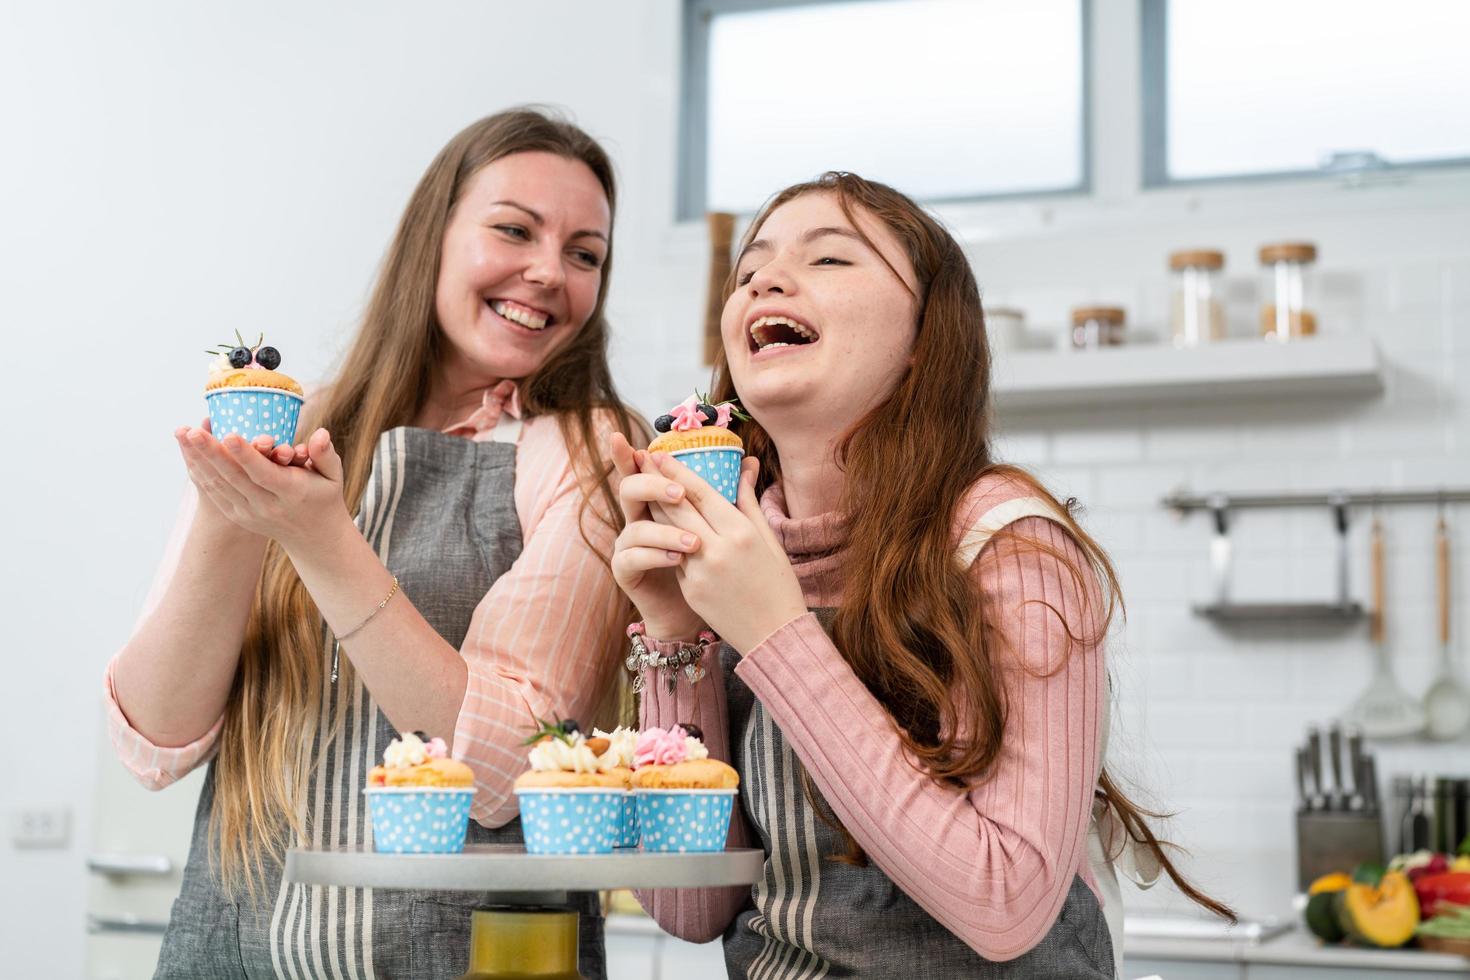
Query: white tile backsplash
pixel 1208 716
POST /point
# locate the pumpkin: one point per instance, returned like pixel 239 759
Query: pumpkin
pixel 1321 911
pixel 1383 915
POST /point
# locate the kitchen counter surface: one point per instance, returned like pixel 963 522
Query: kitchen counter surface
pixel 1295 948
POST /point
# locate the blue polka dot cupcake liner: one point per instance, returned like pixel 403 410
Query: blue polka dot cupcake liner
pixel 628 826
pixel 251 412
pixel 419 820
pixel 571 820
pixel 684 820
pixel 720 468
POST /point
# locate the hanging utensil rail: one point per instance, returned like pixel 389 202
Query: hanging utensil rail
pixel 1185 502
pixel 1340 609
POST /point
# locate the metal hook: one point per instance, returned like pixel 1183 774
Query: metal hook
pixel 1220 547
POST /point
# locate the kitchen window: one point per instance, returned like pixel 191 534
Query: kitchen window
pixel 1265 88
pixel 946 99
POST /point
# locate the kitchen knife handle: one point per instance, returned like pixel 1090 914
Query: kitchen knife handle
pixel 1370 784
pixel 1334 744
pixel 1355 764
pixel 1314 762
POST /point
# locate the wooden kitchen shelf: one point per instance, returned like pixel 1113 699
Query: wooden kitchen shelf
pixel 1230 370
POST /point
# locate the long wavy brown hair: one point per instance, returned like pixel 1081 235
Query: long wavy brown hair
pixel 383 382
pixel 908 624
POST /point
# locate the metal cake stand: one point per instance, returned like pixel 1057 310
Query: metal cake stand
pixel 525 925
pixel 510 876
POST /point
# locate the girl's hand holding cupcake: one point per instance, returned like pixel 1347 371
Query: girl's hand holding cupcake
pixel 649 548
pixel 740 581
pixel 255 487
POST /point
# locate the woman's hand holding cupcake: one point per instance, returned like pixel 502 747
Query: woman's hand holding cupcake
pixel 254 487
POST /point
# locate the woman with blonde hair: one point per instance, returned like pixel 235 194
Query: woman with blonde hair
pixel 433 557
pixel 911 678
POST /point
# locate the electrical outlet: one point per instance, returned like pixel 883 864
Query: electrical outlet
pixel 39 827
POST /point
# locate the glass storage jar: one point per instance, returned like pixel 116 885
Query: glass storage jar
pixel 1097 326
pixel 1005 327
pixel 1196 310
pixel 1286 282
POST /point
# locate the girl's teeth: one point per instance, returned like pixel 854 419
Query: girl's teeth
pixel 799 329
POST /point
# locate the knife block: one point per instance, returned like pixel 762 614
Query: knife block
pixel 1328 841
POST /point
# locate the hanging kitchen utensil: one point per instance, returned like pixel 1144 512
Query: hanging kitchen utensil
pixel 1385 710
pixel 1447 702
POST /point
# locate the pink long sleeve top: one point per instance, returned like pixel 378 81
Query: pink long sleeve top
pixel 533 641
pixel 992 862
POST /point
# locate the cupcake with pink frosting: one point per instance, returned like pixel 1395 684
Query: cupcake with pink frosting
pixel 698 435
pixel 685 798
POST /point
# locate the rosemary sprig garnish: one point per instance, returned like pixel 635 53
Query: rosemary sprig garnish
pixel 735 410
pixel 553 729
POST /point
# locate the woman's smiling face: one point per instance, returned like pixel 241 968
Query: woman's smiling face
pixel 818 322
pixel 521 265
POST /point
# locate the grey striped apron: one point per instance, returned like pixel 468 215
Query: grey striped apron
pixel 440 512
pixel 813 917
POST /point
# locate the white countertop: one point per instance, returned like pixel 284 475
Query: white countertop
pixel 1293 948
pixel 1296 948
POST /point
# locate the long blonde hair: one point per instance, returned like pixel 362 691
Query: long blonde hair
pixel 383 383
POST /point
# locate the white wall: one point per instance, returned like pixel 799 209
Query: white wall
pixel 175 171
pixel 172 172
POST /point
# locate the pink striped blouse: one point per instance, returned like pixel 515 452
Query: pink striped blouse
pixel 991 863
pixel 535 640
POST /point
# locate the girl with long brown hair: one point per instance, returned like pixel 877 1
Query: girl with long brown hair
pixel 433 557
pixel 911 680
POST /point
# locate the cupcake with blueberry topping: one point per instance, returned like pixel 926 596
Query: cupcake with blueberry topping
pixel 698 435
pixel 247 395
pixel 571 799
pixel 419 798
pixel 685 798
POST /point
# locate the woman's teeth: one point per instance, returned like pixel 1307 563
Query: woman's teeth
pixel 780 331
pixel 517 314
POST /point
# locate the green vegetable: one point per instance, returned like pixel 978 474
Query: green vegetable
pixel 1452 922
pixel 1321 910
pixel 1368 874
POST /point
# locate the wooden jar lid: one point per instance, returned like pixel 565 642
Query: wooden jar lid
pixel 1107 314
pixel 1288 252
pixel 1197 258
